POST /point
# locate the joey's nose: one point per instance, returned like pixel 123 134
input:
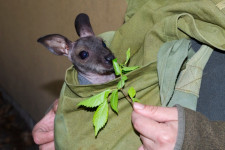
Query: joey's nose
pixel 109 58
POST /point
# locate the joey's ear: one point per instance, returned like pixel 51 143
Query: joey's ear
pixel 57 44
pixel 83 25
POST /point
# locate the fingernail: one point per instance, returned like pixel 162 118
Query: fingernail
pixel 138 106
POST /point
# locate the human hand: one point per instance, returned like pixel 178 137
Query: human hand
pixel 158 126
pixel 43 131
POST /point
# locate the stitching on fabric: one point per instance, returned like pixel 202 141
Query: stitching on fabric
pixel 182 88
pixel 221 5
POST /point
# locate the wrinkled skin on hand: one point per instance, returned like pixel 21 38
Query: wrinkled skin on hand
pixel 43 131
pixel 157 126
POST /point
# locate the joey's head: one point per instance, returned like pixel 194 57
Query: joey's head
pixel 88 54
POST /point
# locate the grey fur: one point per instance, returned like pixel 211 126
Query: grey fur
pixel 88 54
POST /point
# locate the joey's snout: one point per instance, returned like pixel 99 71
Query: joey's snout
pixel 109 58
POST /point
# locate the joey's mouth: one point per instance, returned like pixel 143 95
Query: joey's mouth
pixel 104 70
pixel 106 66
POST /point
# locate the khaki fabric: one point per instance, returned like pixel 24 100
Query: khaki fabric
pixel 149 24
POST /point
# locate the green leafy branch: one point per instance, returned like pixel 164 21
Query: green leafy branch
pixel 100 101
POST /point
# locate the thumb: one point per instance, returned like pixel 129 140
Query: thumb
pixel 55 105
pixel 157 113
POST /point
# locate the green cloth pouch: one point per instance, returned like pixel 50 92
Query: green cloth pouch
pixel 73 126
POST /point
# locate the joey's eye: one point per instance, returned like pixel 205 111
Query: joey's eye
pixel 103 44
pixel 83 54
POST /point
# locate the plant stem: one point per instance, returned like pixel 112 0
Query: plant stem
pixel 127 97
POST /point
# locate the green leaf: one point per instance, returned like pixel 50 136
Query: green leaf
pixel 124 77
pixel 95 100
pixel 136 100
pixel 121 84
pixel 127 56
pixel 128 69
pixel 116 67
pixel 101 116
pixel 114 101
pixel 131 92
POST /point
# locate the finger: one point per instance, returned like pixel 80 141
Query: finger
pixel 159 133
pixel 42 137
pixel 145 126
pixel 160 114
pixel 55 105
pixel 43 131
pixel 141 148
pixel 147 143
pixel 47 146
